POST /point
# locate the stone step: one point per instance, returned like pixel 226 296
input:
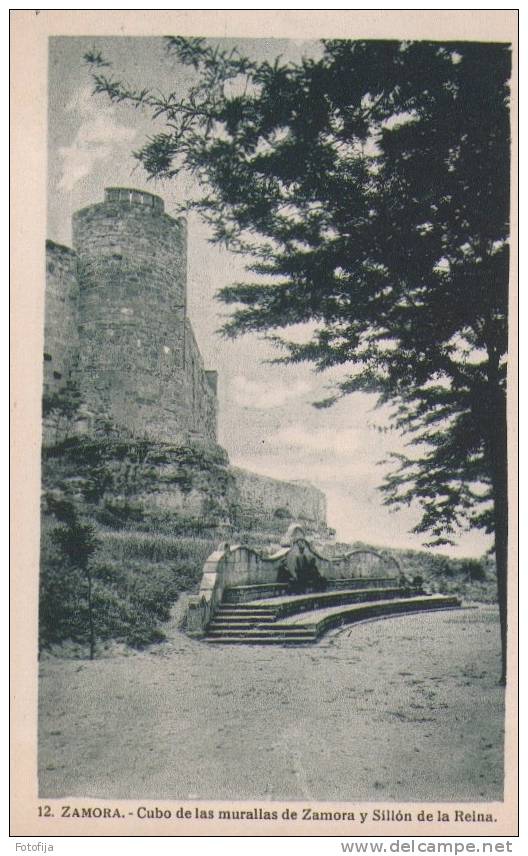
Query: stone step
pixel 263 640
pixel 247 608
pixel 238 625
pixel 291 603
pixel 241 617
pixel 247 612
pixel 309 625
pixel 239 595
pixel 257 633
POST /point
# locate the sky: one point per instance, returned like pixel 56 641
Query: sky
pixel 267 422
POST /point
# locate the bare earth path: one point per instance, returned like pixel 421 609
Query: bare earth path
pixel 408 708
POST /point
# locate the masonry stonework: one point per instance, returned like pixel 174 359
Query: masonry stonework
pixel 139 362
pixel 61 335
pixel 116 323
pixel 270 502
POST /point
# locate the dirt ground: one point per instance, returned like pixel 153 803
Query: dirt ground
pixel 405 709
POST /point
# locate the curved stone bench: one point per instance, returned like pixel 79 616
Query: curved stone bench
pixel 322 620
pixel 249 593
pixel 246 594
pixel 262 628
pixel 294 604
pixel 240 574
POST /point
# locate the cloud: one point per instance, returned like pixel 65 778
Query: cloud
pixel 98 136
pixel 265 396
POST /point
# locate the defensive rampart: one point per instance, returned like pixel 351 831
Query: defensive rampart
pixel 116 324
pixel 61 335
pixel 269 504
pixel 116 321
pixel 138 360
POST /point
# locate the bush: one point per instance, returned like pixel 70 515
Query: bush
pixel 282 513
pixel 135 580
pixel 63 603
pixel 111 569
pixel 119 515
pixel 127 606
pixel 473 570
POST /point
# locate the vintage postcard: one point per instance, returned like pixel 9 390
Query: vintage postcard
pixel 264 386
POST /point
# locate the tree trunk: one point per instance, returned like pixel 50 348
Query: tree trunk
pixel 501 558
pixel 90 616
pixel 498 452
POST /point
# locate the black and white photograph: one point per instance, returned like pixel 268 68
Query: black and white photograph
pixel 276 382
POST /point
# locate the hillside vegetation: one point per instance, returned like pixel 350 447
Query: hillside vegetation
pixel 474 580
pixel 113 563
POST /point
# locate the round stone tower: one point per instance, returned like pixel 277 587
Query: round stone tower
pixel 132 307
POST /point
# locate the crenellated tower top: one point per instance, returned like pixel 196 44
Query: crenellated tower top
pixel 134 197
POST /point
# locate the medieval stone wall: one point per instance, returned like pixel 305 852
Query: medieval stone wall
pixel 116 322
pixel 132 324
pixel 200 390
pixel 61 337
pixel 271 503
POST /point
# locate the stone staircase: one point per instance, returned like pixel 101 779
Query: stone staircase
pixel 300 620
pixel 245 624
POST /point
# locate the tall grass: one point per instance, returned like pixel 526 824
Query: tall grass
pixel 155 547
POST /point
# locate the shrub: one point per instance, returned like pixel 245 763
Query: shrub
pixel 119 515
pixel 135 580
pixel 282 513
pixel 473 570
pixel 111 568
